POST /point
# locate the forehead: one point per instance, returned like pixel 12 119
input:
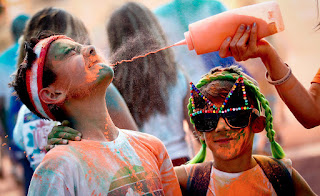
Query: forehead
pixel 59 46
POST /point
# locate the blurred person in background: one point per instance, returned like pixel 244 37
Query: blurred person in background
pixel 8 62
pixel 154 87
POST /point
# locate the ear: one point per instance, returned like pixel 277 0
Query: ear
pixel 50 95
pixel 258 124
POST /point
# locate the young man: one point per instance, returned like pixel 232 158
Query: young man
pixel 63 80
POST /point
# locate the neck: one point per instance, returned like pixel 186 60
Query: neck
pixel 90 116
pixel 236 165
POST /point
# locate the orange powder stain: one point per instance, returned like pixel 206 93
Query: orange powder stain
pixel 6 136
pixel 4 144
pixel 140 56
pixel 9 148
pixel 253 183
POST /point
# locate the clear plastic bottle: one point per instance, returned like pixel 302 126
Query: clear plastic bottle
pixel 207 35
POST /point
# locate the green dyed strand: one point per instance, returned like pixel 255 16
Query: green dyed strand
pixel 276 149
pixel 201 155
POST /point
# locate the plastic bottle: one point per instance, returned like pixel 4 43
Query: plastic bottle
pixel 207 35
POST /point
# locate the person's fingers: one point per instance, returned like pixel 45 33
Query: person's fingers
pixel 68 136
pixel 242 45
pixel 48 147
pixel 253 37
pixel 54 141
pixel 57 130
pixel 65 123
pixel 235 40
pixel 224 50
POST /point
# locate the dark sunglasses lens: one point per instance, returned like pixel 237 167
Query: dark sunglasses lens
pixel 238 119
pixel 205 122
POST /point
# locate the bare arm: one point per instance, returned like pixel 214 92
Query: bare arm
pixel 304 104
pixel 118 109
pixel 301 187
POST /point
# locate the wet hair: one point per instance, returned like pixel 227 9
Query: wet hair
pixel 254 95
pixel 133 30
pixel 57 21
pixel 18 25
pixel 45 23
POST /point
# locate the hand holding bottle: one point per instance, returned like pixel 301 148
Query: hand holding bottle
pixel 245 44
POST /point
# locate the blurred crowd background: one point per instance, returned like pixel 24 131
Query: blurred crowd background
pixel 299 46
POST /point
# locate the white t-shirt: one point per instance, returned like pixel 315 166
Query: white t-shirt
pixel 249 183
pixel 133 164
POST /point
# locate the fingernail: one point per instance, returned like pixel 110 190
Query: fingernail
pixel 64 141
pixel 51 146
pixel 242 27
pixel 77 138
pixel 228 39
pixel 248 27
pixel 254 24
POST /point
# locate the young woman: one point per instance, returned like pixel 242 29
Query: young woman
pixel 154 87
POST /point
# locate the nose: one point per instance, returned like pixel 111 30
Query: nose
pixel 89 51
pixel 222 125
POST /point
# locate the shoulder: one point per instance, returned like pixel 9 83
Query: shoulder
pixel 145 139
pixel 60 157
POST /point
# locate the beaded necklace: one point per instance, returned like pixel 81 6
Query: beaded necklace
pixel 221 109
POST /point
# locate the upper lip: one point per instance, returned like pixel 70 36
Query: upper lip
pixel 93 63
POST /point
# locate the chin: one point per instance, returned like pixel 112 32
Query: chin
pixel 105 75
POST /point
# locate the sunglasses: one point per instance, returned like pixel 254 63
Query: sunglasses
pixel 206 122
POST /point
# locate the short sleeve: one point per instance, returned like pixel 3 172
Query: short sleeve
pixel 316 78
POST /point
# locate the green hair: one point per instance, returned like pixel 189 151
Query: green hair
pixel 231 74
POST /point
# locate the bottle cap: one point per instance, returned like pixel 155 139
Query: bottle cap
pixel 189 40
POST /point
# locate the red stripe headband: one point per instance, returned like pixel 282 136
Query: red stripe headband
pixel 35 74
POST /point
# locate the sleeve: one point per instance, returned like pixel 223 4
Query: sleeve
pixel 168 176
pixel 51 177
pixel 18 128
pixel 316 78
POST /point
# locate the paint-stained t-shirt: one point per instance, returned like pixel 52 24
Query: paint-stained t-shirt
pixel 250 183
pixel 133 164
